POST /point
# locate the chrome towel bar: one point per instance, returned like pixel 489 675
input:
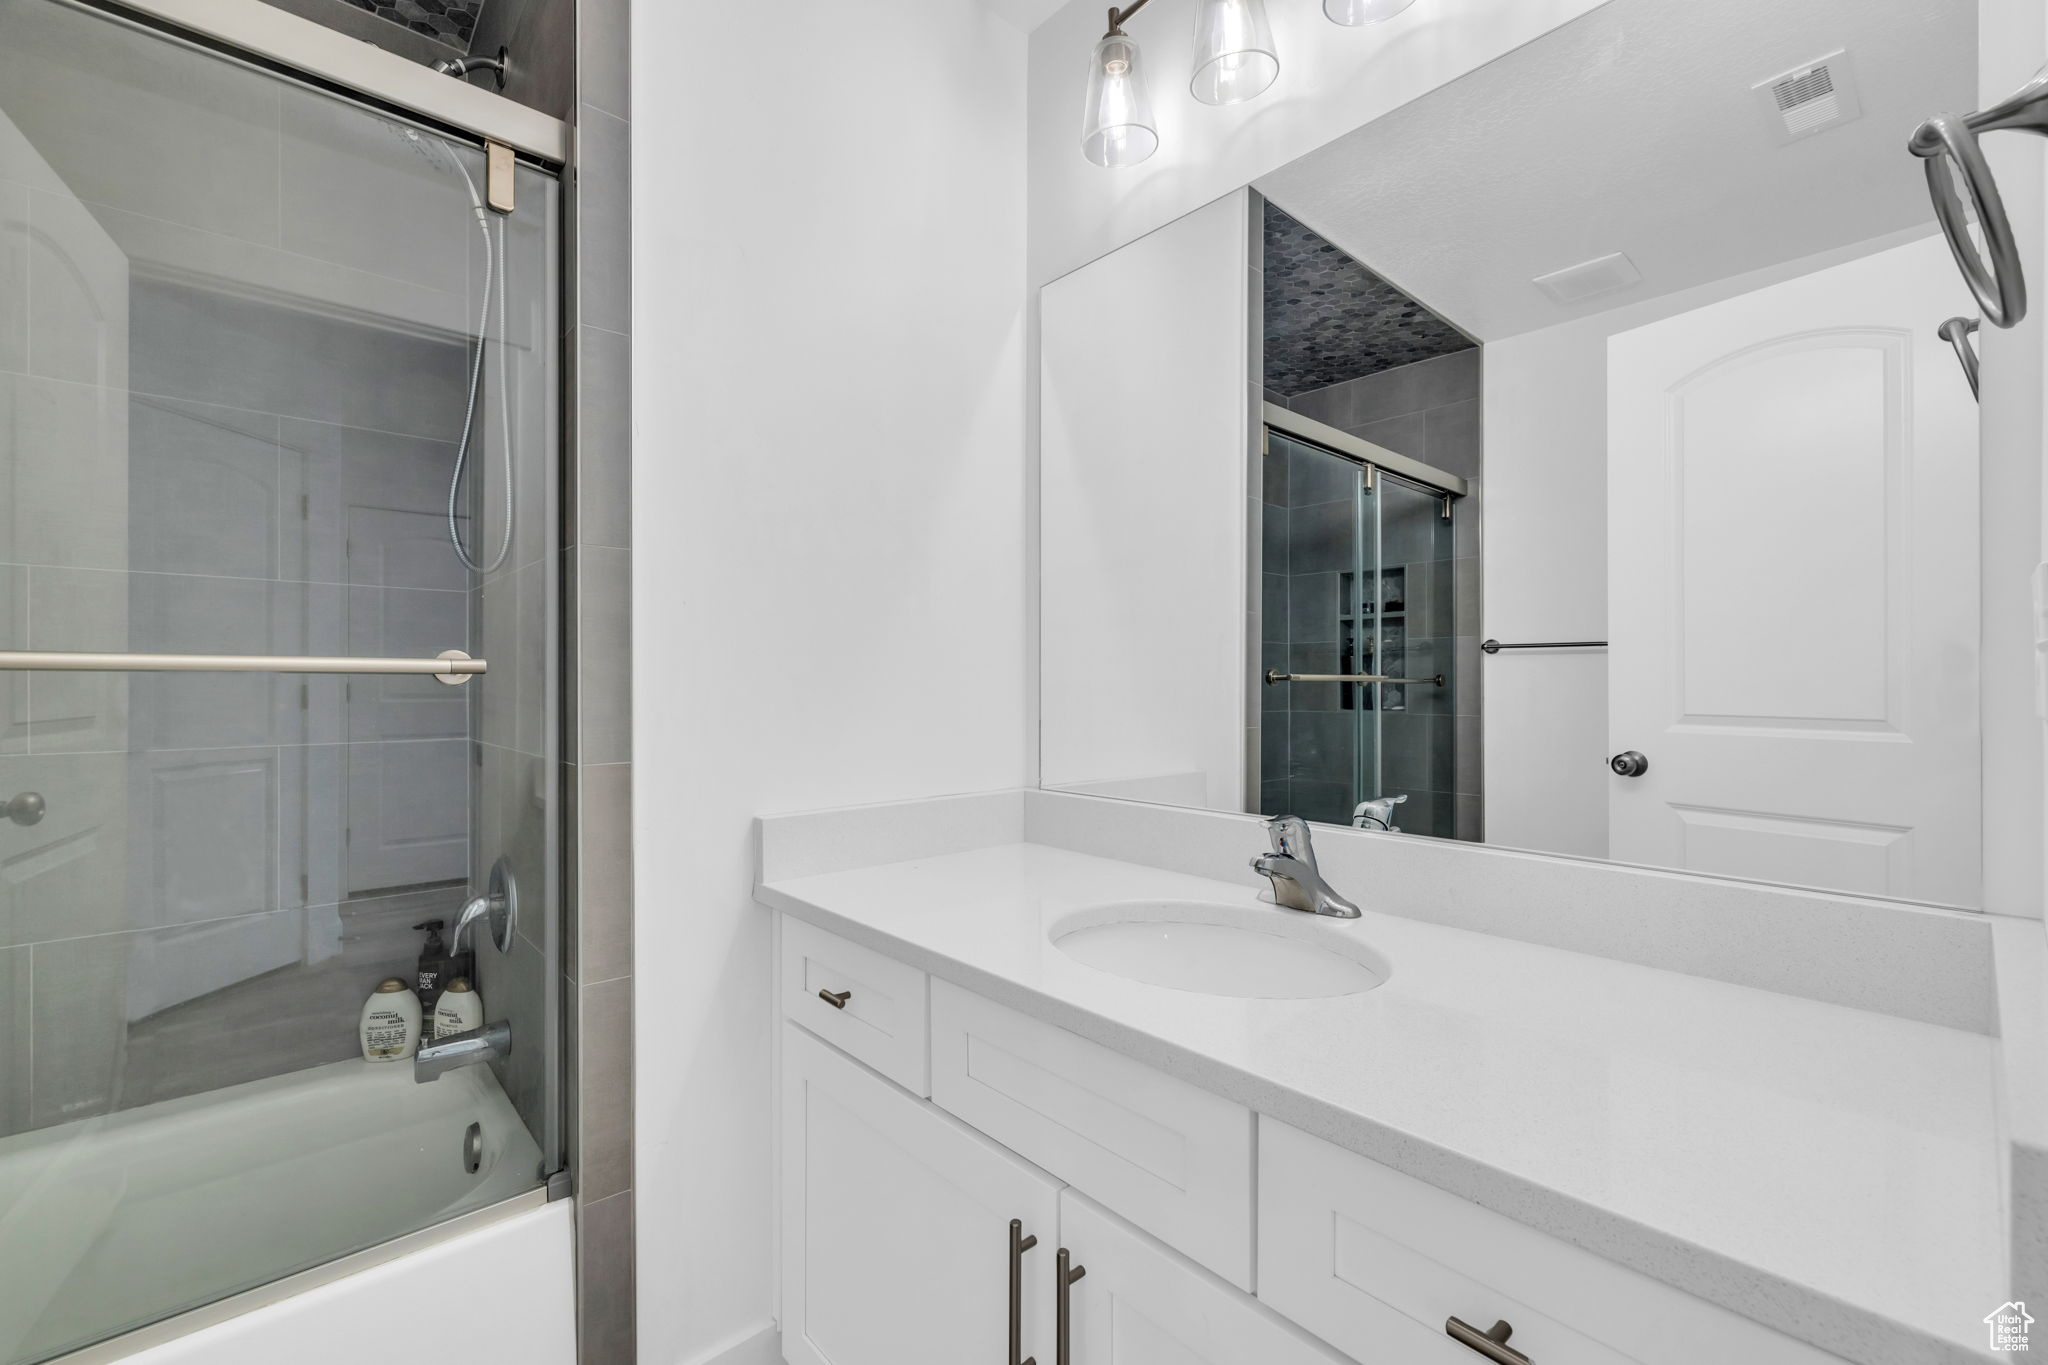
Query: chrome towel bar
pixel 1274 675
pixel 450 666
pixel 1495 646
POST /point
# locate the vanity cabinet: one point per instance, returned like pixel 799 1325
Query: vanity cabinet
pixel 896 1220
pixel 1171 1157
pixel 1139 1304
pixel 897 1213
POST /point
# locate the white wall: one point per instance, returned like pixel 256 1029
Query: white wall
pixel 2012 40
pixel 1545 571
pixel 828 566
pixel 1332 79
pixel 1144 393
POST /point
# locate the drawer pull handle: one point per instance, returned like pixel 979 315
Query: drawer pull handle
pixel 1019 1244
pixel 1493 1343
pixel 836 999
pixel 1063 1336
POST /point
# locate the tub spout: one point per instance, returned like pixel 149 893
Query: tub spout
pixel 461 1049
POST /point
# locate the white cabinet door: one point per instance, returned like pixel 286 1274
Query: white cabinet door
pixel 896 1225
pixel 1793 596
pixel 1138 1303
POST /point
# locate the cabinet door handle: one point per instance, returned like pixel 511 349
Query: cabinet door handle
pixel 1492 1343
pixel 1019 1244
pixel 836 999
pixel 1063 1329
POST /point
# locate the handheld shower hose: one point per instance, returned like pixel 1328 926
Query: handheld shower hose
pixel 496 268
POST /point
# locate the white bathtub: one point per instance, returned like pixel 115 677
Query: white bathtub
pixel 110 1223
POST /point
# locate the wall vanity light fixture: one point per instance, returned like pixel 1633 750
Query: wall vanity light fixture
pixel 1359 13
pixel 1234 60
pixel 1116 125
pixel 1234 56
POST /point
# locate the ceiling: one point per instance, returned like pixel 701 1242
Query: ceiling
pixel 1029 14
pixel 1634 129
pixel 1328 318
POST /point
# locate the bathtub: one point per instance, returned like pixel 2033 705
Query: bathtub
pixel 110 1223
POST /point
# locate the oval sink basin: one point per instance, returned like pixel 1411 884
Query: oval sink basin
pixel 1214 950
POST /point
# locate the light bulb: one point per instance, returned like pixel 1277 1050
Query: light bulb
pixel 1359 13
pixel 1234 56
pixel 1116 123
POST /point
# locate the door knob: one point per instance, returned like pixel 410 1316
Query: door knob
pixel 25 809
pixel 1630 764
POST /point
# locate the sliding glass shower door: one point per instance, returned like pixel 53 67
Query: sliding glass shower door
pixel 244 345
pixel 1358 584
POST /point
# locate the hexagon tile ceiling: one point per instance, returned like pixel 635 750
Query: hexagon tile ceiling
pixel 1329 319
pixel 448 21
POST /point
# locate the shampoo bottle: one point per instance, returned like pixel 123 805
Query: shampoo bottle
pixel 436 967
pixel 460 1009
pixel 391 1023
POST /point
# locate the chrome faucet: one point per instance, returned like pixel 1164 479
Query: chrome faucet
pixel 1378 814
pixel 1291 867
pixel 461 1049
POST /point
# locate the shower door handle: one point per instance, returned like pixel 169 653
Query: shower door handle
pixel 450 665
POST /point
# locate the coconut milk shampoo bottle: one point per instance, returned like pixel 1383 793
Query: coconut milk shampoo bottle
pixel 391 1023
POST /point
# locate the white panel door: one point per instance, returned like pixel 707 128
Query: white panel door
pixel 1793 600
pixel 1139 1304
pixel 896 1225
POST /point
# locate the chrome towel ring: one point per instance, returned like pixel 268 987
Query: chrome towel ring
pixel 1955 167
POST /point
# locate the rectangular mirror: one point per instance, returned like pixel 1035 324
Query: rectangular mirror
pixel 1543 466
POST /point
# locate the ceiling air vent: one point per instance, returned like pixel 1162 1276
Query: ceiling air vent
pixel 1587 279
pixel 1810 99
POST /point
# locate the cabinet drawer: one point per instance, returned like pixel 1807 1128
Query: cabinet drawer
pixel 882 1021
pixel 1360 1254
pixel 1175 1160
pixel 1140 1304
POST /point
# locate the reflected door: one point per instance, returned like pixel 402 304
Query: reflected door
pixel 1790 650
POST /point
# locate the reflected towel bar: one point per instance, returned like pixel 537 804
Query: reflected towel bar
pixel 450 666
pixel 1495 646
pixel 1274 675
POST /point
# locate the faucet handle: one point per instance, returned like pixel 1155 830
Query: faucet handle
pixel 1289 834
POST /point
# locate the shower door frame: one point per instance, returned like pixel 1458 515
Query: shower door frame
pixel 284 46
pixel 1372 461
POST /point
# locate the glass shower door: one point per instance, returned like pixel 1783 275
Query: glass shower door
pixel 240 329
pixel 1420 731
pixel 1319 741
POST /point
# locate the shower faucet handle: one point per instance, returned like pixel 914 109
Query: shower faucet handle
pixel 499 904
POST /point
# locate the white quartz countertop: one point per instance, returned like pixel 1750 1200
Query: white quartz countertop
pixel 1829 1172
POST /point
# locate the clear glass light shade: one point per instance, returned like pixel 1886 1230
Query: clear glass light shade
pixel 1234 56
pixel 1359 13
pixel 1116 126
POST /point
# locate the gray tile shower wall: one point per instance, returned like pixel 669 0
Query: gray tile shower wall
pixel 598 775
